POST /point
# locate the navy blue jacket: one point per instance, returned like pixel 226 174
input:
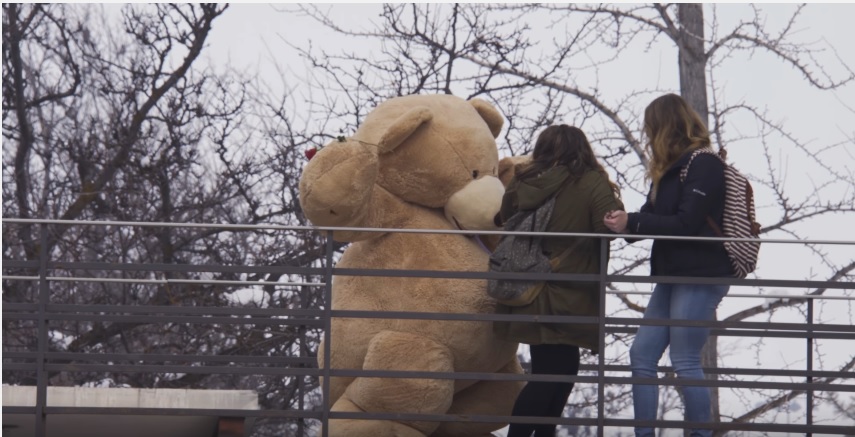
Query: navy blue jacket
pixel 681 209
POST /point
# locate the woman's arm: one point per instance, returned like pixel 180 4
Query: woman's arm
pixel 603 201
pixel 617 220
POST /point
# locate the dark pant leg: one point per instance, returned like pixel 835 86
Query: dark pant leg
pixel 545 399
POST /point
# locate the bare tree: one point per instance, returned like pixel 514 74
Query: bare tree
pixel 110 122
pixel 112 117
pixel 542 63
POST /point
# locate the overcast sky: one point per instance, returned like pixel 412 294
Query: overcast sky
pixel 253 37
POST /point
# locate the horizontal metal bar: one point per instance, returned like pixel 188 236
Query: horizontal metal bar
pixel 762 328
pixel 20 307
pixel 152 319
pixel 161 281
pixel 172 368
pixel 160 267
pixel 819 387
pixel 616 380
pixel 165 309
pixel 578 277
pixel 731 426
pixel 28 367
pixel 182 309
pixel 776 296
pixel 229 226
pixel 311 361
pixel 19 410
pixel 224 226
pixel 824 429
pixel 444 274
pixel 782 283
pixel 757 427
pixel 732 371
pixel 479 418
pixel 732 324
pixel 753 333
pixel 183 412
pixel 356 373
pixel 408 315
pixel 86 356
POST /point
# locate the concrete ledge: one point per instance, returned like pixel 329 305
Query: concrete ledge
pixel 126 425
pixel 25 396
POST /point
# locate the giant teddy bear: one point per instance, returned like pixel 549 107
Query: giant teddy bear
pixel 416 162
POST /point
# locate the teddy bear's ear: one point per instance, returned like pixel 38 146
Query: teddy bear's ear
pixel 489 113
pixel 403 127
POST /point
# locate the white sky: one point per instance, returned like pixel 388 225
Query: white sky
pixel 251 36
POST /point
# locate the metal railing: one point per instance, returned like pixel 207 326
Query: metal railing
pixel 43 311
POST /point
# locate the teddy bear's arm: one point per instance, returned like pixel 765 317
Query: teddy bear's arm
pixel 338 188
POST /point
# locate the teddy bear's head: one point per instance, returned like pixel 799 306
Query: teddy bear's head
pixel 439 151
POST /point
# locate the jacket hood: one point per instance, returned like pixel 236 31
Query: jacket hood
pixel 531 192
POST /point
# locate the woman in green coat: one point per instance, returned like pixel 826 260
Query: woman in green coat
pixel 563 164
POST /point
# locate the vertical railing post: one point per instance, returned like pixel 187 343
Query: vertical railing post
pixel 41 374
pixel 601 365
pixel 809 391
pixel 304 301
pixel 325 415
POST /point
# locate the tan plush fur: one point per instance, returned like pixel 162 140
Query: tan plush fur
pixel 399 170
pixel 508 167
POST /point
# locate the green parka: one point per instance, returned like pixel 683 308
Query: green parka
pixel 580 206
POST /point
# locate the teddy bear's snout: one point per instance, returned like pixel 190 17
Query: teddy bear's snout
pixel 475 205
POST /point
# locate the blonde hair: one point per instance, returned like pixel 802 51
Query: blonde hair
pixel 672 128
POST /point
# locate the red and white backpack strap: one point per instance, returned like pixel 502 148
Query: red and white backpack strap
pixel 708 150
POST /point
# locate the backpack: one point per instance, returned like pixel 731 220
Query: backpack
pixel 521 254
pixel 738 220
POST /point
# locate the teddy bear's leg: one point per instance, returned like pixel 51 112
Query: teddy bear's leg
pixel 483 398
pixel 391 350
pixel 365 428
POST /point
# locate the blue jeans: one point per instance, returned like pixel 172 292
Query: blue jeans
pixel 678 302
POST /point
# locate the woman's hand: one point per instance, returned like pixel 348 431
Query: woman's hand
pixel 616 221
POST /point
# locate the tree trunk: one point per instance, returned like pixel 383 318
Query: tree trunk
pixel 693 88
pixel 690 43
pixel 709 359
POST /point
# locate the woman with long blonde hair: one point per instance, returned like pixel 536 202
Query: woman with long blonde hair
pixel 691 205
